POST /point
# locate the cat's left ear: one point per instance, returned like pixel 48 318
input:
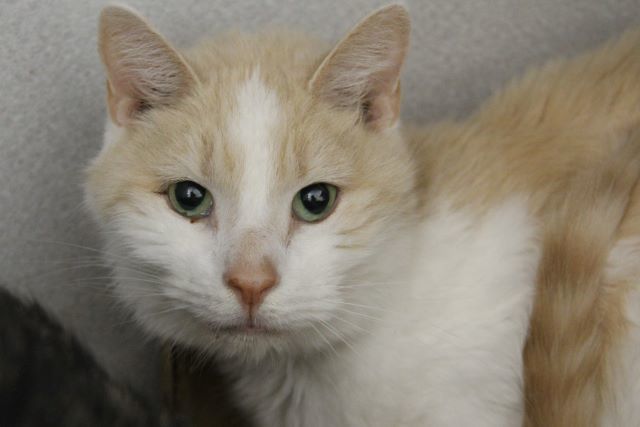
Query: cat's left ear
pixel 143 70
pixel 363 71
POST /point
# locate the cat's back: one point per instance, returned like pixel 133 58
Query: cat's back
pixel 557 137
pixel 538 132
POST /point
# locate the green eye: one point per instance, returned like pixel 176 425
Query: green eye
pixel 314 202
pixel 190 199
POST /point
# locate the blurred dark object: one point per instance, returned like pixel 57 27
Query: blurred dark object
pixel 48 379
pixel 196 389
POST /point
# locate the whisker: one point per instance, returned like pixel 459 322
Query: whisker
pixel 83 247
pixel 360 328
pixel 338 335
pixel 352 304
pixel 88 266
pixel 324 339
pixel 357 313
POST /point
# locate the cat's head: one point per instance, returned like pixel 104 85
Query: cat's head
pixel 248 186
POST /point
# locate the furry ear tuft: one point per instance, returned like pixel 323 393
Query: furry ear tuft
pixel 143 70
pixel 363 71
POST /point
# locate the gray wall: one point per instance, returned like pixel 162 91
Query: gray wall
pixel 52 114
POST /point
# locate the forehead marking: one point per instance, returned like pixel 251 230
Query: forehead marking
pixel 252 130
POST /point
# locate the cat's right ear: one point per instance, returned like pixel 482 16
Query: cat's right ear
pixel 143 70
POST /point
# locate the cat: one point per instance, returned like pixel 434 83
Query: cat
pixel 48 379
pixel 262 204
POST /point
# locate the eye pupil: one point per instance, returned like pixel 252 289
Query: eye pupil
pixel 190 199
pixel 314 202
pixel 189 194
pixel 315 198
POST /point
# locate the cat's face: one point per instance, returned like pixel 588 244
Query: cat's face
pixel 213 242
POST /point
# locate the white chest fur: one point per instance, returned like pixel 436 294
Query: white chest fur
pixel 447 351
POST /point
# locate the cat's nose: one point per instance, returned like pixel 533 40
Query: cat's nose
pixel 251 283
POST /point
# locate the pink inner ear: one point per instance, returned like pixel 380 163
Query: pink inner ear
pixel 382 110
pixel 122 109
pixel 125 110
pixel 363 69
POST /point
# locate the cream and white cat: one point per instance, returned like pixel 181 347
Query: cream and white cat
pixel 261 203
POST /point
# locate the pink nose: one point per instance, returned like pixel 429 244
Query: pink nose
pixel 251 283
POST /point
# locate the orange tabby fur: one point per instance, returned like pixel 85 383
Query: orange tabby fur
pixel 578 319
pixel 556 135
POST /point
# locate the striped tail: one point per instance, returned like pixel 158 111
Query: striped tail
pixel 577 317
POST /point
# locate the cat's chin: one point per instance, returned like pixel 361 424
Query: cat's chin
pixel 252 343
pixel 250 330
